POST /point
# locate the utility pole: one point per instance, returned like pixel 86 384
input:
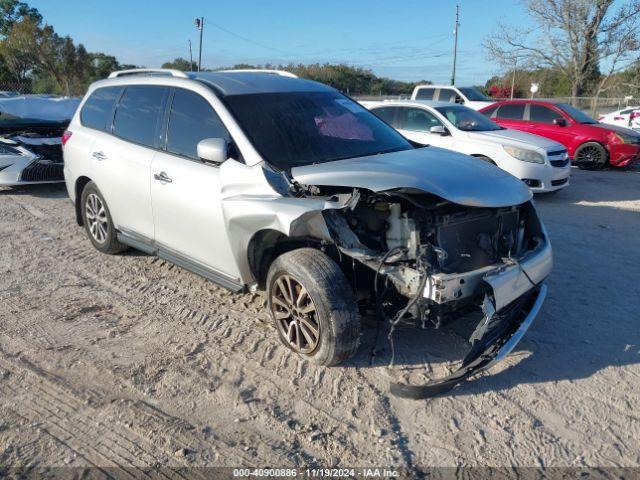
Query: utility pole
pixel 199 22
pixel 190 57
pixel 513 77
pixel 455 45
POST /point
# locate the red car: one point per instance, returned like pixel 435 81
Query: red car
pixel 591 145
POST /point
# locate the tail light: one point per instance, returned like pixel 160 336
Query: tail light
pixel 618 118
pixel 635 114
pixel 65 137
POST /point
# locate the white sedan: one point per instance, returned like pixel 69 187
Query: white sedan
pixel 628 117
pixel 539 162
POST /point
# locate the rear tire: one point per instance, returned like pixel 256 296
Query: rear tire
pixel 98 222
pixel 590 156
pixel 313 306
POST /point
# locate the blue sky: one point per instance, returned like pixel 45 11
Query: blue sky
pixel 409 43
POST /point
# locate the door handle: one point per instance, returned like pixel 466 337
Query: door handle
pixel 162 177
pixel 99 156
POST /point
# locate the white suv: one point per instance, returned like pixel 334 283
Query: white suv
pixel 263 180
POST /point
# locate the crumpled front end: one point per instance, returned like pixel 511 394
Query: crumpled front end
pixel 431 261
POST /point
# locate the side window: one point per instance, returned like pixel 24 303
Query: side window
pixel 192 119
pixel 418 120
pixel 449 95
pixel 513 111
pixel 139 114
pixel 388 114
pixel 489 112
pixel 425 93
pixel 97 111
pixel 539 113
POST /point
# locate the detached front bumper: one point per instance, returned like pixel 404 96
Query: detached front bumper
pixel 493 345
pixel 514 299
pixel 624 155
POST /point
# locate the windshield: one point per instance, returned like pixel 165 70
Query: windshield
pixel 293 129
pixel 473 94
pixel 578 115
pixel 36 110
pixel 468 120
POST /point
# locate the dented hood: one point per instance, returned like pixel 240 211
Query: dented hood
pixel 455 177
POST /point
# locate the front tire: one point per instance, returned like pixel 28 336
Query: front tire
pixel 590 156
pixel 98 222
pixel 313 306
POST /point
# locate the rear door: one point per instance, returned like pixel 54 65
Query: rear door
pixel 511 115
pixel 122 159
pixel 186 192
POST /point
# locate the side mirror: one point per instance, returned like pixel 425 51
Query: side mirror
pixel 438 130
pixel 561 122
pixel 212 150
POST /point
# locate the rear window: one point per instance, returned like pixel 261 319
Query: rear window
pixel 97 111
pixel 425 94
pixel 514 111
pixel 139 113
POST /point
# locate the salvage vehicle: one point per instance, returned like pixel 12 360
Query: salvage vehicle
pixel 267 181
pixel 468 96
pixel 591 145
pixel 628 117
pixel 31 128
pixel 542 164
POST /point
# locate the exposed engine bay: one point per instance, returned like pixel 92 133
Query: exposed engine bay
pixel 429 261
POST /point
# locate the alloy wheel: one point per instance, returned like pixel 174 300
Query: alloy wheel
pixel 589 155
pixel 295 314
pixel 96 217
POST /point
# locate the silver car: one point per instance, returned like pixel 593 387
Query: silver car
pixel 260 180
pixel 31 127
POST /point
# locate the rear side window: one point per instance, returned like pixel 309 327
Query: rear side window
pixel 539 113
pixel 192 119
pixel 418 120
pixel 513 111
pixel 449 95
pixel 425 94
pixel 139 114
pixel 97 111
pixel 388 114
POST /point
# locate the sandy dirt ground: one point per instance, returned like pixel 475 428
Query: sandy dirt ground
pixel 128 361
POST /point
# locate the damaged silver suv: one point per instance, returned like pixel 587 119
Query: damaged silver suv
pixel 261 180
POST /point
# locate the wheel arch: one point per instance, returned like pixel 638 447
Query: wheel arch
pixel 81 182
pixel 484 157
pixel 268 244
pixel 591 140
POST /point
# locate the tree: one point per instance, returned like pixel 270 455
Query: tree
pixel 574 37
pixel 181 64
pixel 12 11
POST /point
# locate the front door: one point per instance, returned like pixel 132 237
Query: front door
pixel 415 124
pixel 186 192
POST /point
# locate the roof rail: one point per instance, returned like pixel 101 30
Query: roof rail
pixel 148 71
pixel 282 73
